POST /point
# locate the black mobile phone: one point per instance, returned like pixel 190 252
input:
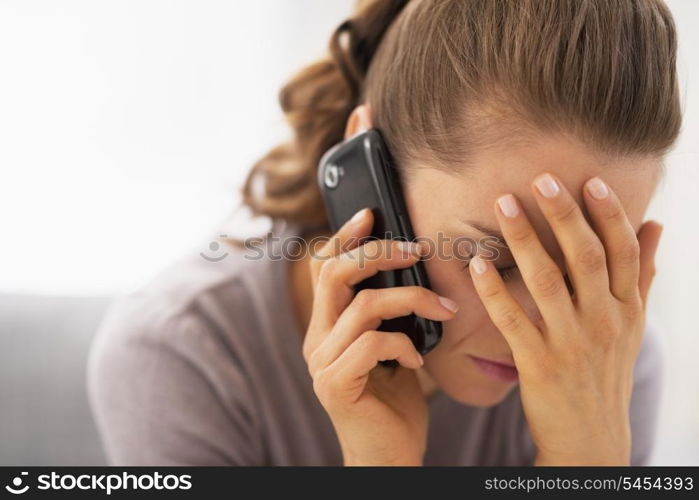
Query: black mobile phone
pixel 358 173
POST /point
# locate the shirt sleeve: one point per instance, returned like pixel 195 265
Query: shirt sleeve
pixel 168 392
pixel 646 398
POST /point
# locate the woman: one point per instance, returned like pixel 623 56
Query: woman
pixel 540 124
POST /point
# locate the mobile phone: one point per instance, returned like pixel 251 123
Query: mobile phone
pixel 359 172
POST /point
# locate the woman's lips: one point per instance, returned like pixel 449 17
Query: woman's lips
pixel 496 370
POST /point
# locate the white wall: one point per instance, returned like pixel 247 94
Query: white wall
pixel 126 128
pixel 675 292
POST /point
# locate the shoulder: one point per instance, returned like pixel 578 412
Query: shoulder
pixel 166 310
pixel 170 369
pixel 219 293
pixel 212 309
pixel 183 320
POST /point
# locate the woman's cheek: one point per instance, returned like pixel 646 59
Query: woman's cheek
pixel 449 280
pixel 446 276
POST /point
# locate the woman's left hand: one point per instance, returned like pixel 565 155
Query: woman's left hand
pixel 576 363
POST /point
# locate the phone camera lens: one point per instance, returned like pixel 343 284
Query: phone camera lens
pixel 331 176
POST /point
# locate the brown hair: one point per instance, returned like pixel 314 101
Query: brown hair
pixel 444 77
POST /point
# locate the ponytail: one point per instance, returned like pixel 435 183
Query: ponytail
pixel 317 103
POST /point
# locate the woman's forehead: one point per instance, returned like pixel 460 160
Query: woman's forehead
pixel 471 193
pixel 512 168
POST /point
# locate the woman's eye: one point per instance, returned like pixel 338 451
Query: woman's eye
pixel 507 273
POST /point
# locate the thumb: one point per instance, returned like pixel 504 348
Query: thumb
pixel 648 238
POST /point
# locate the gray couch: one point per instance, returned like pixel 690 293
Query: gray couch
pixel 44 414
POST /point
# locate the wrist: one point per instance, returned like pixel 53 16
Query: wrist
pixel 611 448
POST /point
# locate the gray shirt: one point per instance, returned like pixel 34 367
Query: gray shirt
pixel 203 366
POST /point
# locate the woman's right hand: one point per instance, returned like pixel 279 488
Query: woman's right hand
pixel 379 413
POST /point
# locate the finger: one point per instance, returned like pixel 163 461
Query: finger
pixel 584 252
pixel 648 238
pixel 339 274
pixel 540 273
pixel 617 235
pixel 346 238
pixel 346 377
pixel 370 307
pixel 525 340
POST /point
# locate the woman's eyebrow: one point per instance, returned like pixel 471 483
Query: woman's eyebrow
pixel 500 239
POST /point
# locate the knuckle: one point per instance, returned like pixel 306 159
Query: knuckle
pixel 317 360
pixel 366 298
pixel 614 213
pixel 508 319
pixel 397 339
pixel 567 213
pixel 421 293
pixel 590 258
pixel 403 338
pixel 313 361
pixel 634 307
pixel 629 253
pixel 522 235
pixel 412 295
pixel 371 339
pixel 547 282
pixel 491 291
pixel 323 385
pixel 606 329
pixel 328 270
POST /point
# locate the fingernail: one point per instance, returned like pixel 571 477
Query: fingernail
pixel 449 304
pixel 508 205
pixel 358 216
pixel 478 265
pixel 597 188
pixel 419 358
pixel 547 185
pixel 409 248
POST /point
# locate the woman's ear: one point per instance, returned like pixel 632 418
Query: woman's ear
pixel 359 120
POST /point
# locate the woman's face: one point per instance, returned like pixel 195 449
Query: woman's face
pixel 444 207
